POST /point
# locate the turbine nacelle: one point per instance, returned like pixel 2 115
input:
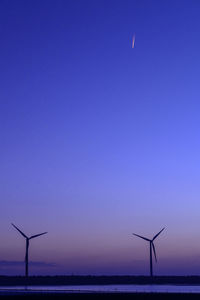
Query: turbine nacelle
pixel 146 239
pixel 25 236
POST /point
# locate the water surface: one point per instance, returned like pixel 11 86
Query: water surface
pixel 123 288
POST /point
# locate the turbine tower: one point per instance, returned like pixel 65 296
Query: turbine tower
pixel 151 244
pixel 27 245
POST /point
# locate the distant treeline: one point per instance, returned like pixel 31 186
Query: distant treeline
pixel 100 280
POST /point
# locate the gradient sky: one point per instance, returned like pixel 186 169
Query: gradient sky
pixel 99 140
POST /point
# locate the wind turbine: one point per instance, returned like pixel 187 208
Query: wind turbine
pixel 27 245
pixel 151 244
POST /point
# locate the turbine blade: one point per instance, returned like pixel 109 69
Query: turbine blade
pixel 154 251
pixel 157 234
pixel 19 230
pixel 36 235
pixel 142 237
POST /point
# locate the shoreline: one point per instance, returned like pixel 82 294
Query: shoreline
pixel 97 280
pixel 100 296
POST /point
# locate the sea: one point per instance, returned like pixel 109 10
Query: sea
pixel 123 288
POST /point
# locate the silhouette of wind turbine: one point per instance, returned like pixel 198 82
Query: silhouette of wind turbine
pixel 151 244
pixel 27 245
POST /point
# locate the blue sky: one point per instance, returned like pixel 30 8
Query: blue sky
pixel 99 140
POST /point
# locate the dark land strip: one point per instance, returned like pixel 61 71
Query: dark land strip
pixel 97 280
pixel 100 296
